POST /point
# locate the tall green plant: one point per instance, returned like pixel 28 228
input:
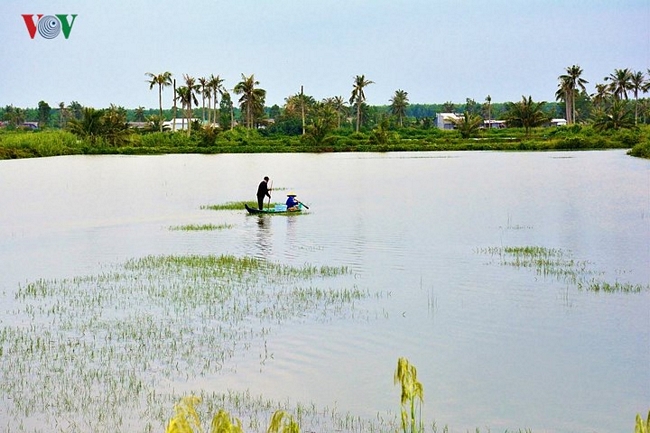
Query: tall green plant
pixel 407 376
pixel 641 425
pixel 282 422
pixel 186 420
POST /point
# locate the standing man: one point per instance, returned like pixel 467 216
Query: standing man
pixel 262 192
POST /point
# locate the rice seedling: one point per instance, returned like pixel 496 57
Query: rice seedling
pixel 201 227
pixel 105 350
pixel 407 376
pixel 557 263
pixel 231 205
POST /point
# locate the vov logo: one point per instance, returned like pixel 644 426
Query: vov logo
pixel 49 26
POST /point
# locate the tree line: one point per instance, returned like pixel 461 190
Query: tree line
pixel 206 102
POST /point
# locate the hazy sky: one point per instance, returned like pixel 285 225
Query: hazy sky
pixel 436 50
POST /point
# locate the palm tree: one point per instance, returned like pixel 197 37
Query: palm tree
pixel 358 97
pixel 526 113
pixel 488 100
pixel 618 116
pixel 189 98
pixel 468 125
pixel 323 122
pixel 569 84
pixel 89 126
pixel 205 93
pixel 600 96
pixel 162 80
pixel 399 102
pixel 252 99
pixel 637 83
pixel 216 86
pixel 298 105
pixel 338 103
pixel 620 82
pixel 62 114
pixel 139 114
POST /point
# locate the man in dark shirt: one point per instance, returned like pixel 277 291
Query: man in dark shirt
pixel 263 191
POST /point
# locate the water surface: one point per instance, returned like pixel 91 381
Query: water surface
pixel 495 346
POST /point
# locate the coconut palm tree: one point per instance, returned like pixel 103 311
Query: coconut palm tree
pixel 616 117
pixel 620 82
pixel 468 125
pixel 216 86
pixel 637 84
pixel 569 84
pixel 358 96
pixel 398 105
pixel 299 105
pixel 190 97
pixel 526 114
pixel 138 115
pixel 488 101
pixel 162 80
pixel 601 95
pixel 62 114
pixel 252 100
pixel 338 103
pixel 205 93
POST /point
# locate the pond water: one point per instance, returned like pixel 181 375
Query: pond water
pixel 496 346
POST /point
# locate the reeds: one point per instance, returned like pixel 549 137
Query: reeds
pixel 560 264
pixel 200 227
pixel 104 351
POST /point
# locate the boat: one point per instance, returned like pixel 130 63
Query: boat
pixel 278 209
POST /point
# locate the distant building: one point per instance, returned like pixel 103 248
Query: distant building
pixel 178 124
pixel 446 120
pixel 558 122
pixel 494 124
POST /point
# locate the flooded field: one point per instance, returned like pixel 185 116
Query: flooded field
pixel 518 284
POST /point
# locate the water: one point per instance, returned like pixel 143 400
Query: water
pixel 495 346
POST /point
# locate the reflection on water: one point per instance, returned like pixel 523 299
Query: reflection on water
pixel 495 346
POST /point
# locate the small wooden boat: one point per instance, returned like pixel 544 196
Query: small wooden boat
pixel 278 209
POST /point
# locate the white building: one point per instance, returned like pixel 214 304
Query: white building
pixel 446 120
pixel 178 124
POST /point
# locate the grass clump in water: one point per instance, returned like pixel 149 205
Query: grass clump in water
pixel 558 263
pixel 107 350
pixel 231 205
pixel 200 227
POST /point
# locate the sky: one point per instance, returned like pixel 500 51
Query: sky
pixel 435 50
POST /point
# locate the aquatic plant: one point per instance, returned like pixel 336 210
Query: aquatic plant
pixel 560 264
pixel 641 425
pixel 231 205
pixel 407 376
pixel 201 227
pixel 105 350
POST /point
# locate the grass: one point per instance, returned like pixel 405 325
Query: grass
pixel 558 263
pixel 231 205
pixel 109 351
pixel 201 227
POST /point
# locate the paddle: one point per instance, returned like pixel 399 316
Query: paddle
pixel 307 207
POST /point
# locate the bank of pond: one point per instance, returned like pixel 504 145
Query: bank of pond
pixel 53 142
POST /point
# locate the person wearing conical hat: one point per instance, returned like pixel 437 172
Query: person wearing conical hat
pixel 292 203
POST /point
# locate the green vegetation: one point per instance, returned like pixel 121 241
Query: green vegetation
pixel 557 263
pixel 412 394
pixel 382 138
pixel 641 425
pixel 201 227
pixel 615 116
pixel 99 350
pixel 232 205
